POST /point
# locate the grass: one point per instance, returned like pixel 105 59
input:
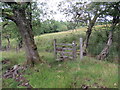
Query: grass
pixel 45 41
pixel 12 55
pixel 67 74
pixel 64 74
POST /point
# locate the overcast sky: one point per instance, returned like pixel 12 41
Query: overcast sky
pixel 53 6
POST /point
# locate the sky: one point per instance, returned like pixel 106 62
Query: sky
pixel 53 5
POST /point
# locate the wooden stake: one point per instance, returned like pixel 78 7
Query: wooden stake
pixel 55 52
pixel 74 50
pixel 81 49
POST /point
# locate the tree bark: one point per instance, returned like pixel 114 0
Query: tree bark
pixel 118 45
pixel 20 44
pixel 8 40
pixel 27 36
pixel 88 33
pixel 104 53
pixel 0 41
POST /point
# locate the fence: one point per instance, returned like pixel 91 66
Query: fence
pixel 64 51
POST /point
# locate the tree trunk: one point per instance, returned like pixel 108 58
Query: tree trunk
pixel 88 33
pixel 0 41
pixel 8 40
pixel 118 45
pixel 27 36
pixel 20 44
pixel 105 51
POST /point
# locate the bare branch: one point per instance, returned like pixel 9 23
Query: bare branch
pixel 6 23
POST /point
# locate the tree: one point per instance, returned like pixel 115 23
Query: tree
pixel 16 11
pixel 89 31
pixel 8 40
pixel 89 13
pixel 0 40
pixel 115 13
pixel 85 12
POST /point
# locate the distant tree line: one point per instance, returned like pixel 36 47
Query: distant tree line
pixel 41 27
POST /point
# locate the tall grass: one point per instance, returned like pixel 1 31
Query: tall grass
pixel 74 74
pixel 67 74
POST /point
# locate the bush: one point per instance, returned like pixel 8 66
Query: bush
pixel 99 39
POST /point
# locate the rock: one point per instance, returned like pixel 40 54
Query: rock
pixel 14 73
pixel 84 87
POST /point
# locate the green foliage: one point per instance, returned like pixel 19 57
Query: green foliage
pixel 48 26
pixel 10 29
pixel 98 40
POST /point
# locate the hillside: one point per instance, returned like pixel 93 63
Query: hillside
pixel 86 73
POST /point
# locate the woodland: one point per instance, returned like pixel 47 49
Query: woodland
pixel 27 49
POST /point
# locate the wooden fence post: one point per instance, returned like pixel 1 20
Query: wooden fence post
pixel 81 49
pixel 55 52
pixel 74 50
